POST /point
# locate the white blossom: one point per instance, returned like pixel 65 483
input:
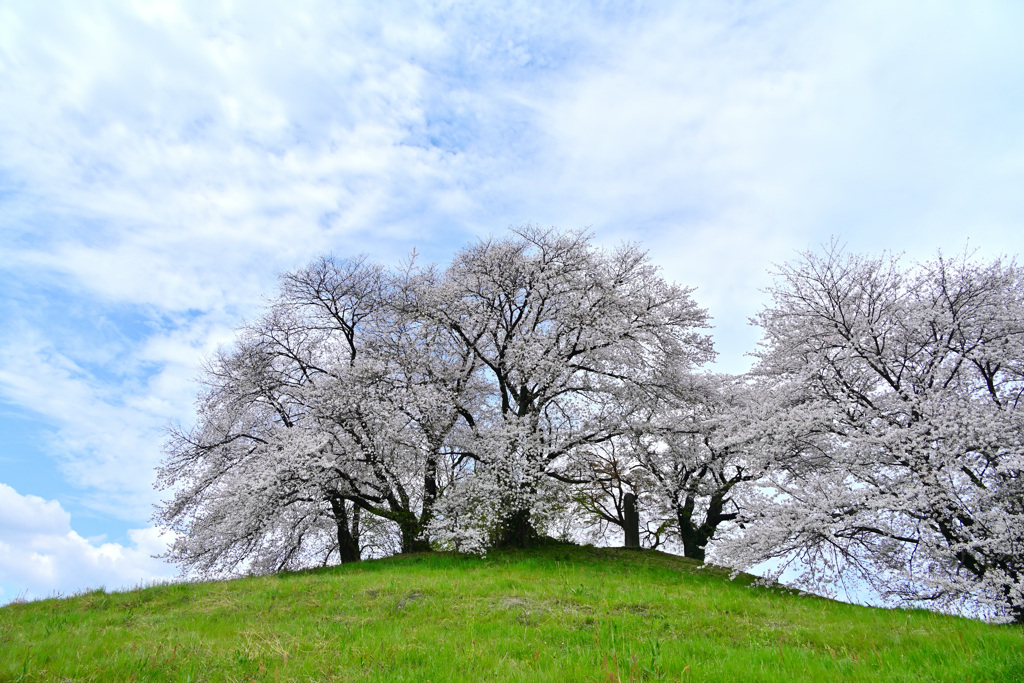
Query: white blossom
pixel 897 396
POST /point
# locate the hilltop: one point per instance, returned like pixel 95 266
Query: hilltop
pixel 558 613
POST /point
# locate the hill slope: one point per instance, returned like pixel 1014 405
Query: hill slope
pixel 557 613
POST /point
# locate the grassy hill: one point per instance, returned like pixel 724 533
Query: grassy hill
pixel 557 613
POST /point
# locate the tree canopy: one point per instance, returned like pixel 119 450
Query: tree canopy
pixel 899 393
pixel 452 404
pixel 539 384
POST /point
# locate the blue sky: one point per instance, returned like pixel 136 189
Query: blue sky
pixel 161 162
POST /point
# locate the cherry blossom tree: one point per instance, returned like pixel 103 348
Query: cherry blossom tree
pixel 701 448
pixel 452 404
pixel 899 398
pixel 610 472
pixel 561 329
pixel 332 404
pixel 692 449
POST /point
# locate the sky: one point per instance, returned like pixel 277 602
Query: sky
pixel 162 162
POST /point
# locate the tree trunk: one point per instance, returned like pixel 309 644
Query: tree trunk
pixel 693 542
pixel 692 536
pixel 429 490
pixel 631 521
pixel 695 538
pixel 348 542
pixel 412 535
pixel 356 516
pixel 516 531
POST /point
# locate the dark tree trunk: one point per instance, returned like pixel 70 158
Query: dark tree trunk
pixel 631 521
pixel 429 491
pixel 695 538
pixel 412 535
pixel 691 535
pixel 693 541
pixel 348 539
pixel 516 531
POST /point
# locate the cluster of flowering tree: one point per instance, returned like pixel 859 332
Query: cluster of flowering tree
pixel 540 385
pixel 323 410
pixel 693 451
pixel 453 405
pixel 898 430
pixel 565 335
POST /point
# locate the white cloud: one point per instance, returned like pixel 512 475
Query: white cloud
pixel 41 554
pixel 179 158
pixel 726 136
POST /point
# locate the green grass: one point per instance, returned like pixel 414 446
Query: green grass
pixel 558 613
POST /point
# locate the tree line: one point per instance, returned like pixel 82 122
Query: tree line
pixel 538 381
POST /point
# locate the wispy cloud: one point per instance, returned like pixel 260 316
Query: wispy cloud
pixel 108 428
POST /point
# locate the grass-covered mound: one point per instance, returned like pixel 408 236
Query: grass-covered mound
pixel 557 613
